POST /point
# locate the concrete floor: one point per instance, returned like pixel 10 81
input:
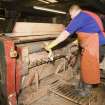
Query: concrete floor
pixel 53 99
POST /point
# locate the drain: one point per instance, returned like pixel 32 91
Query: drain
pixel 66 91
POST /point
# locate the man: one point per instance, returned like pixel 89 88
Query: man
pixel 89 29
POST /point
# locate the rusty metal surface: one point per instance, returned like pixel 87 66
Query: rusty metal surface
pixel 8 71
pixel 35 75
pixel 32 64
pixel 40 67
pixel 32 61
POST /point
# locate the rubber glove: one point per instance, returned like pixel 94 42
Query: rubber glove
pixel 75 42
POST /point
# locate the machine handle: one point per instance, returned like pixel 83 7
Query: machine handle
pixel 13 53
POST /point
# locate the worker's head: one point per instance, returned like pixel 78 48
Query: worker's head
pixel 74 10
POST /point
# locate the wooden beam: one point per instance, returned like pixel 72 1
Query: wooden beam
pixel 27 29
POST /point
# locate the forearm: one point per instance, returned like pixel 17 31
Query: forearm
pixel 63 36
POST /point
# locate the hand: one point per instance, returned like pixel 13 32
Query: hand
pixel 46 47
pixel 49 50
pixel 50 55
pixel 75 42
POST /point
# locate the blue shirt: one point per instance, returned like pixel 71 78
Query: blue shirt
pixel 83 22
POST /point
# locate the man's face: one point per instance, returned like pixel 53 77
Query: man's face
pixel 72 13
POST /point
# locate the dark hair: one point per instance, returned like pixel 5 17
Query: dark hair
pixel 74 6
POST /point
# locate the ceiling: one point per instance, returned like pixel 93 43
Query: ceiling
pixel 62 5
pixel 10 9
